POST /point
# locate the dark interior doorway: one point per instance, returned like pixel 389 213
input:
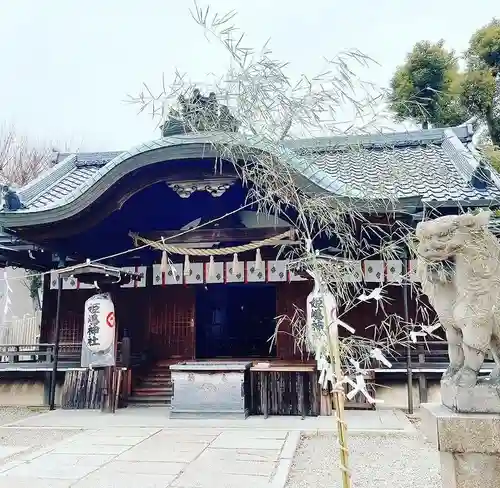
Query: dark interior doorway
pixel 235 320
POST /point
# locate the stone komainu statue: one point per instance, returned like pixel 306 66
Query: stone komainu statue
pixel 199 114
pixel 459 267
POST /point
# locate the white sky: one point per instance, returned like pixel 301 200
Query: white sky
pixel 67 65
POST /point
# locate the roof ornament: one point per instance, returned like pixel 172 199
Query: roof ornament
pixel 198 114
pixel 11 200
pixel 481 177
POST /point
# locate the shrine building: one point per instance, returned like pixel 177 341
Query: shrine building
pixel 91 206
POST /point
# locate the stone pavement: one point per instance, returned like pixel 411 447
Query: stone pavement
pixel 143 448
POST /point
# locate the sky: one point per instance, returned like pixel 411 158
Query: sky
pixel 68 65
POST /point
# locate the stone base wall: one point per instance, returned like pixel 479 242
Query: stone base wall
pixel 394 394
pixel 30 393
pixel 24 393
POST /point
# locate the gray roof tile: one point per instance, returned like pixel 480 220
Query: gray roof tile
pixel 433 164
pixel 425 170
pixel 63 187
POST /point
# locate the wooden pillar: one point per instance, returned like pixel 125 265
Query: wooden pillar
pixel 55 357
pixel 422 379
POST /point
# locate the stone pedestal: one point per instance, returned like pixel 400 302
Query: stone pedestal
pixel 468 444
pixel 482 398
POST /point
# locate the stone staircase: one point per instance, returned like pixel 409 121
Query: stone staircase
pixel 154 388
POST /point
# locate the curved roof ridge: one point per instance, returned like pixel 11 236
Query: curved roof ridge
pixel 388 139
pixel 305 168
pixel 432 164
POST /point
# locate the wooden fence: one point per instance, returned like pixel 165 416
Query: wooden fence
pixel 24 330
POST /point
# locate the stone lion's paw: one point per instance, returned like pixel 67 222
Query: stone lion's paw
pixel 466 378
pixel 451 373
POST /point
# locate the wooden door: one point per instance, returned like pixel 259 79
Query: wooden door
pixel 172 322
pixel 132 314
pixel 289 296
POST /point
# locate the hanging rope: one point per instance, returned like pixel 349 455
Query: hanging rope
pixel 188 251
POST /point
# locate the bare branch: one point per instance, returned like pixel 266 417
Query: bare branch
pixel 21 161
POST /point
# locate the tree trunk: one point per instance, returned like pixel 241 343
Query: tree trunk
pixel 493 127
pixel 493 115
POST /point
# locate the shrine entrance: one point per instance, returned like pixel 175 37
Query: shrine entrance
pixel 235 320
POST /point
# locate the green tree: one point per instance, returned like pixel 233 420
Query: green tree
pixel 480 90
pixel 426 87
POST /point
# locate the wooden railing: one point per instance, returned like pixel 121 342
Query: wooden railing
pixel 429 360
pixel 426 357
pixel 26 354
pixel 41 356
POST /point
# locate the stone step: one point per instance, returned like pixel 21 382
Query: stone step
pixel 154 384
pixel 159 372
pixel 166 379
pixel 151 377
pixel 155 379
pixel 156 400
pixel 151 391
pixel 148 405
pixel 166 363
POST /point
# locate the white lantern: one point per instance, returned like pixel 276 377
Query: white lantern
pixel 99 326
pixel 319 303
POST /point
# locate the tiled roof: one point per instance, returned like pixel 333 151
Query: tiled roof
pixel 71 181
pixel 67 176
pixel 398 172
pixel 435 165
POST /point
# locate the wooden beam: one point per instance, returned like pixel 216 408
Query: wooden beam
pixel 219 235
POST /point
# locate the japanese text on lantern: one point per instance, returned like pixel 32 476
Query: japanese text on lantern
pixel 93 325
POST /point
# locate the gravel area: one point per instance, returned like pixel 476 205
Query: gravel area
pixel 12 414
pixel 30 438
pixel 392 461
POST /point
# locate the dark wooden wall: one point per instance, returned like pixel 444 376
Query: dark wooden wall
pixel 161 320
pixel 289 296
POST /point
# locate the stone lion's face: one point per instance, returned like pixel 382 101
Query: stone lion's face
pixel 443 238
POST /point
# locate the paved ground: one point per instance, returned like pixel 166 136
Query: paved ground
pixel 362 421
pixel 144 448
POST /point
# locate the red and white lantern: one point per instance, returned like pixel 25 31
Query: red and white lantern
pixel 99 326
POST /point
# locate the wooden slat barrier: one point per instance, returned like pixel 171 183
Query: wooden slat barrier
pixel 284 388
pixel 280 388
pixel 82 389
